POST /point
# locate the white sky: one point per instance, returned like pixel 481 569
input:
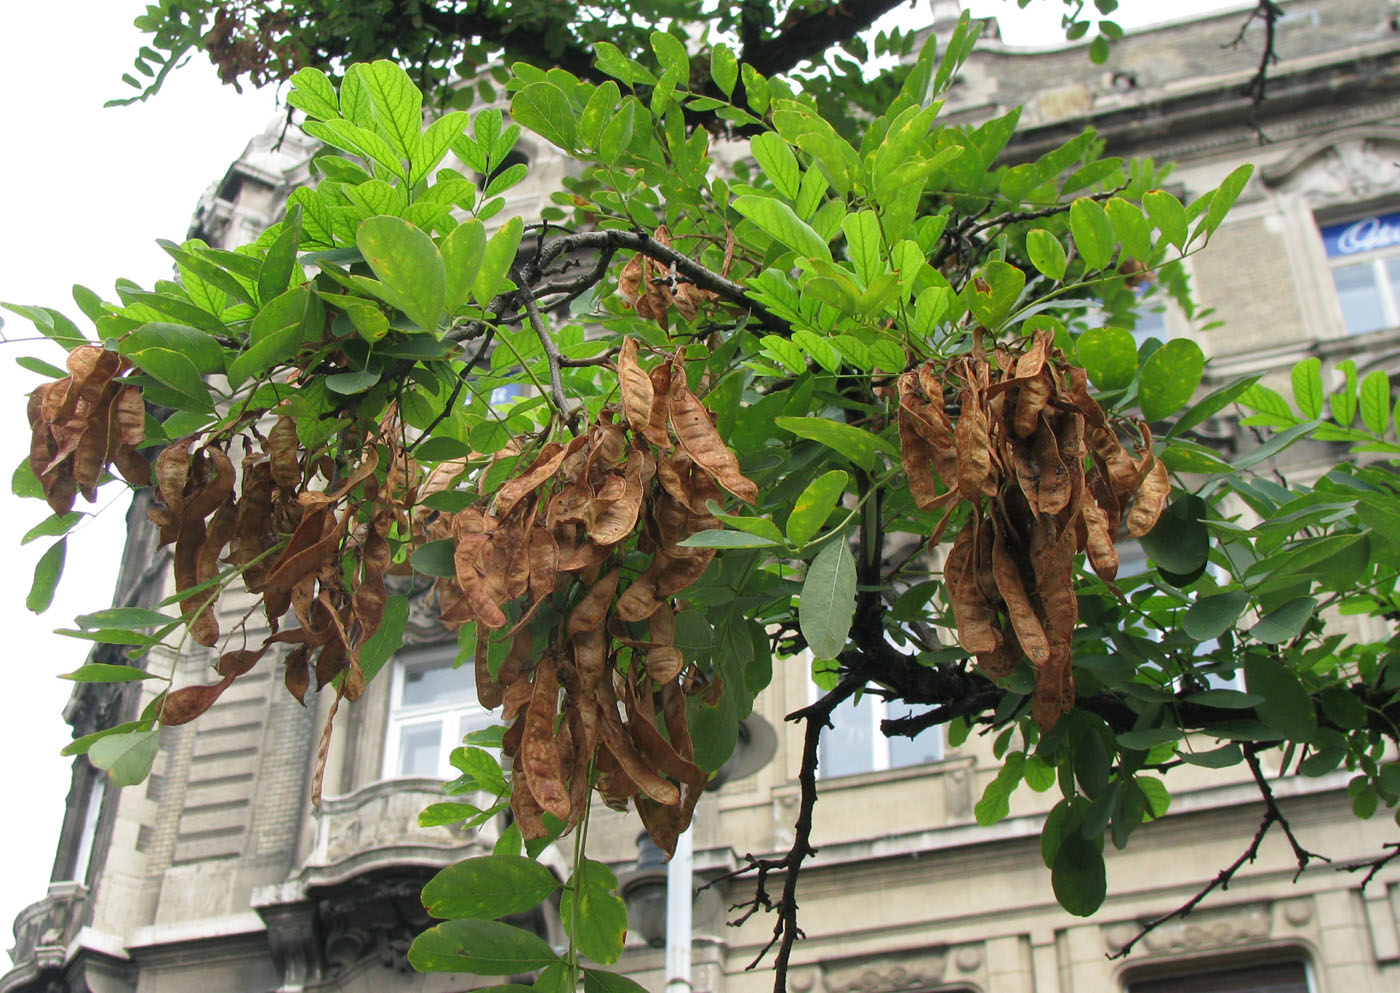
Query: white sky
pixel 84 193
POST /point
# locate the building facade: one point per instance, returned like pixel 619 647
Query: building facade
pixel 216 875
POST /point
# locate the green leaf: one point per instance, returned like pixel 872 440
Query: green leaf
pixel 409 266
pixel 711 538
pixel 276 270
pixel 462 252
pixel 481 766
pixel 488 948
pixel 1210 405
pixel 1287 707
pixel 497 260
pixel 776 219
pixel 545 109
pixel 1180 542
pixel 996 290
pixel 102 672
pixel 1046 252
pixel 488 887
pixel 1343 708
pixel 995 802
pixel 397 105
pixel 854 443
pixel 1219 758
pixel 1307 387
pixel 47 572
pixel 814 506
pixel 1211 616
pixel 1093 234
pixel 175 370
pixel 387 638
pixel 1109 356
pixel 435 558
pixel 617 133
pixel 1078 875
pixel 1130 227
pixel 350 383
pixel 127 757
pixel 600 926
pixel 1169 378
pixel 1285 622
pixel 827 602
pixel 430 146
pixel 1375 401
pixel 266 352
pixel 1167 215
pixel 1344 401
pixel 1223 199
pixel 671 54
pixel 313 92
pixel 135 618
pixel 40 366
pixel 724 68
pixel 53 525
pixel 1225 699
pixel 598 981
pixel 864 244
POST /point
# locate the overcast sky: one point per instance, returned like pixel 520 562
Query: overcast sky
pixel 84 193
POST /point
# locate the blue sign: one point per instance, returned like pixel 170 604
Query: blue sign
pixel 1368 234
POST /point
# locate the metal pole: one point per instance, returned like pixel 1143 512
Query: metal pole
pixel 680 872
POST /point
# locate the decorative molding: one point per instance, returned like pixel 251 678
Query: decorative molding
pixel 889 973
pixel 1203 930
pixel 1344 169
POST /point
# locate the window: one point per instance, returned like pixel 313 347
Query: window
pixel 1272 977
pixel 1365 260
pixel 854 744
pixel 96 790
pixel 432 706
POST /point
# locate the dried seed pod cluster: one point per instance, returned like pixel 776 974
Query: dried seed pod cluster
pixel 1045 476
pixel 651 289
pixel 295 547
pixel 84 422
pixel 559 533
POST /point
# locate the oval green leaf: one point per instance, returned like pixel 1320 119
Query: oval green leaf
pixel 488 887
pixel 1169 378
pixel 1110 357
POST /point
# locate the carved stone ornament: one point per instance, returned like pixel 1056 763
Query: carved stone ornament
pixel 1202 930
pixel 890 973
pixel 1348 167
pixel 373 917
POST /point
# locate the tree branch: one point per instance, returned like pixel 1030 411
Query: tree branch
pixel 551 351
pixel 1222 880
pixel 612 240
pixel 524 38
pixel 785 930
pixel 808 36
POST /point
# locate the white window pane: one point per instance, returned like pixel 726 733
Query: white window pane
pixel 473 720
pixel 927 747
pixel 849 747
pixel 1151 324
pixel 418 749
pixel 437 684
pixel 1360 296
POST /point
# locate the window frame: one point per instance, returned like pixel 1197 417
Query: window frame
pixel 1383 285
pixel 448 716
pixel 879 743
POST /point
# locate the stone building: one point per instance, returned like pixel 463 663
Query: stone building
pixel 216 876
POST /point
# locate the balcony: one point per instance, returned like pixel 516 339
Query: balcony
pixel 43 932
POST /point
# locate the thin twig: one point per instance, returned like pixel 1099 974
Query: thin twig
pixel 1373 865
pixel 551 351
pixel 1272 815
pixel 456 390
